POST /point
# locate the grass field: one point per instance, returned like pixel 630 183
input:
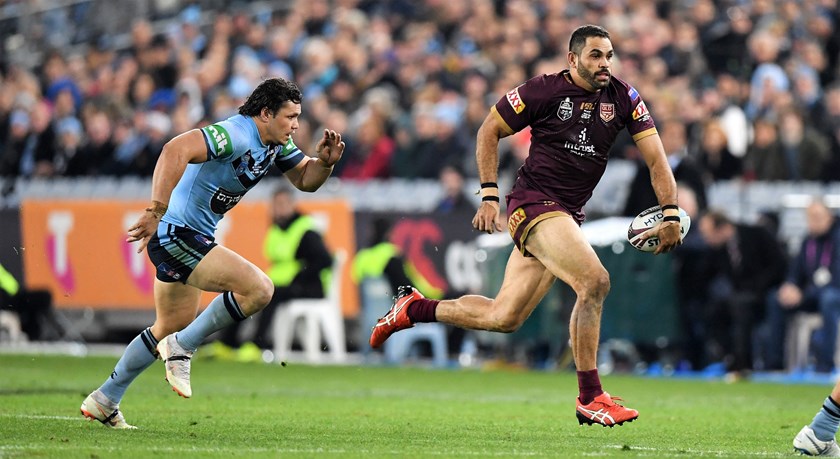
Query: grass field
pixel 255 410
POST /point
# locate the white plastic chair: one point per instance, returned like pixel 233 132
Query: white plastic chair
pixel 318 314
pixel 798 340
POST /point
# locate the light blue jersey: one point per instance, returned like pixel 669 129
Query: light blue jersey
pixel 236 160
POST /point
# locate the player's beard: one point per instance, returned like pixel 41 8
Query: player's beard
pixel 589 77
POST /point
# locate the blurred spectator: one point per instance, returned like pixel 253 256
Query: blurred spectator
pixel 425 150
pixel 69 133
pixel 371 149
pixel 445 64
pixel 383 258
pixel 455 199
pixel 97 150
pixel 812 285
pixel 745 264
pixel 716 161
pixel 768 81
pixel 800 153
pixel 692 265
pixel 31 140
pixel 686 170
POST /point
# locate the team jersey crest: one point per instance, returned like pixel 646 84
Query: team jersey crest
pixel 607 112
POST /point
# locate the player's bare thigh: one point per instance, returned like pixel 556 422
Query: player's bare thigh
pixel 176 305
pixel 223 270
pixel 559 244
pixel 525 283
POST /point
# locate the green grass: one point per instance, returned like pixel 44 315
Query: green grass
pixel 253 410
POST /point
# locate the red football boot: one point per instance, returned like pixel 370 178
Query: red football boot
pixel 604 411
pixel 396 318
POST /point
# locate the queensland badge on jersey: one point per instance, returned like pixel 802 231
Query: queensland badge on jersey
pixel 515 100
pixel 607 112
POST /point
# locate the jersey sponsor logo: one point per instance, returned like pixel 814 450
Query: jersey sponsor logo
pixel 516 219
pixel 641 112
pixel 607 112
pixel 224 200
pixel 587 106
pixel 220 138
pixel 564 111
pixel 515 100
pixel 633 94
pixel 582 147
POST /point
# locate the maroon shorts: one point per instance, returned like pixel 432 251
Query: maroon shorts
pixel 526 208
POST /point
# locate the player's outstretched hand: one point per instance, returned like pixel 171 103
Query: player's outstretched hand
pixel 668 234
pixel 143 229
pixel 330 147
pixel 487 217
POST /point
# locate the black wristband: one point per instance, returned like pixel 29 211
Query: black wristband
pixel 489 185
pixel 671 218
pixel 490 198
pixel 670 206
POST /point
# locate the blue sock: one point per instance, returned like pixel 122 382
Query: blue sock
pixel 138 355
pixel 825 423
pixel 220 313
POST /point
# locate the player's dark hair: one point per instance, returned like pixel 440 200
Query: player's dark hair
pixel 579 36
pixel 271 94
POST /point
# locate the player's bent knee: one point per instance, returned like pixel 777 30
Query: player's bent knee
pixel 264 292
pixel 596 286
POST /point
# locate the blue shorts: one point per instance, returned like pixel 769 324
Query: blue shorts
pixel 175 251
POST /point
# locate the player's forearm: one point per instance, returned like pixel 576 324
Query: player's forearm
pixel 168 171
pixel 315 173
pixel 487 154
pixel 664 185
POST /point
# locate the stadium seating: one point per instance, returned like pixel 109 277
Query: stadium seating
pixel 318 315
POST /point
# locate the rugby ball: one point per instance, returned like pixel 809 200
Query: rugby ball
pixel 648 219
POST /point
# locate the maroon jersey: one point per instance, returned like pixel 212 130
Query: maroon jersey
pixel 572 131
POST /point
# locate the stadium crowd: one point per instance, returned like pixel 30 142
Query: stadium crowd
pixel 740 90
pixel 755 84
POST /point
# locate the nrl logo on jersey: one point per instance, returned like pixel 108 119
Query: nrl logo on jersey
pixel 564 112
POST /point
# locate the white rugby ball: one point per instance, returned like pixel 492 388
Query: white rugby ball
pixel 648 219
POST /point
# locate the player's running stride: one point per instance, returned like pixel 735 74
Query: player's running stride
pixel 202 174
pixel 574 116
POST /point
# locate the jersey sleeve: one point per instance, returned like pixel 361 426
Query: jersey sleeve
pixel 639 121
pixel 523 104
pixel 225 141
pixel 289 157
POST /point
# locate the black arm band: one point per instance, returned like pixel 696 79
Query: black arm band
pixel 490 198
pixel 670 206
pixel 489 185
pixel 671 218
